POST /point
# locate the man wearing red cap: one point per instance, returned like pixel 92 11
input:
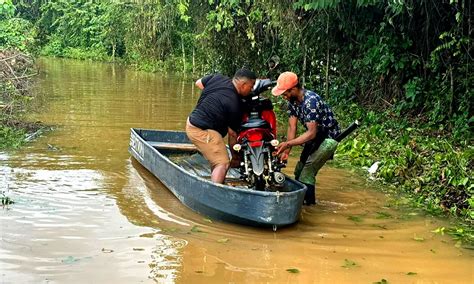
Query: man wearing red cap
pixel 321 127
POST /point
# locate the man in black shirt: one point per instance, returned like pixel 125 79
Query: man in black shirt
pixel 217 113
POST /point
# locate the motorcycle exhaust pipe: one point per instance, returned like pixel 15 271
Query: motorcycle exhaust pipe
pixel 348 131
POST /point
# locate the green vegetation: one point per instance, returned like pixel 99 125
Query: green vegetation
pixel 5 200
pixel 17 38
pixel 403 67
pixel 417 159
pixel 349 264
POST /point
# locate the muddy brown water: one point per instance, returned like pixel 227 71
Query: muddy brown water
pixel 86 212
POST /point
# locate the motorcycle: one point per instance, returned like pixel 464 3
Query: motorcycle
pixel 256 140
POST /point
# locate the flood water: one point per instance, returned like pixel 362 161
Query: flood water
pixel 86 212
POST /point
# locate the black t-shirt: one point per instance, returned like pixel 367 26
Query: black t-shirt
pixel 219 106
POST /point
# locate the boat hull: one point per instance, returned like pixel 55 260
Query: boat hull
pixel 228 203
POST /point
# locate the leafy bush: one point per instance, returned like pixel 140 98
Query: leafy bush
pixel 7 9
pixel 53 48
pixel 17 33
pixel 11 137
pixel 98 54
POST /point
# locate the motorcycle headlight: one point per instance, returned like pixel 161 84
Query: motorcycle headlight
pixel 237 147
pixel 274 142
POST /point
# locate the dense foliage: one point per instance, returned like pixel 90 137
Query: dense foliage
pixel 405 66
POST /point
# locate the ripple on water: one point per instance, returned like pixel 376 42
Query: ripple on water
pixel 61 221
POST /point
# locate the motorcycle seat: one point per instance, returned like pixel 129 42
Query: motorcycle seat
pixel 255 123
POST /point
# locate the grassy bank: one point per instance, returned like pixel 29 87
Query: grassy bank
pixel 430 167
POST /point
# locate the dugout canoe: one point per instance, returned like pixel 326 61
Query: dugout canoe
pixel 174 160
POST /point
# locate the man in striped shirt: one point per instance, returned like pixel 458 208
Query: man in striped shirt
pixel 320 123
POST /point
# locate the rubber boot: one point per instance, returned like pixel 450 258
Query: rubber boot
pixel 310 195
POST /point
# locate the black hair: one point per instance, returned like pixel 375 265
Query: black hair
pixel 245 73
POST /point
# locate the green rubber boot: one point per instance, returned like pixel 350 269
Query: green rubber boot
pixel 310 195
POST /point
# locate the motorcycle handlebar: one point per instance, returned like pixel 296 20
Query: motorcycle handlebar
pixel 262 85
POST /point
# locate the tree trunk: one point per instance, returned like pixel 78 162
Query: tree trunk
pixel 304 66
pixel 194 61
pixel 184 55
pixel 326 85
pixel 451 91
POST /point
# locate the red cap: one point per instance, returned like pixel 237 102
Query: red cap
pixel 286 80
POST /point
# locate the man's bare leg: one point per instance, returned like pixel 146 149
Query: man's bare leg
pixel 219 172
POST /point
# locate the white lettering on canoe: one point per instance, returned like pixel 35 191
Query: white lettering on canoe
pixel 136 145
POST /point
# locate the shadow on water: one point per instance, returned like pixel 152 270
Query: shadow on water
pixel 86 211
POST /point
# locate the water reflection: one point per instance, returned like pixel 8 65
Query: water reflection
pixel 86 211
pixel 74 187
pixel 142 192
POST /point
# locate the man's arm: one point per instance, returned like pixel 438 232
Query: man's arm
pixel 199 84
pixel 290 135
pixel 303 138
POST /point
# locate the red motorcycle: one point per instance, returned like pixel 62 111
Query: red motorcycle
pixel 257 140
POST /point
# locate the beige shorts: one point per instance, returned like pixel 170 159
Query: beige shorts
pixel 210 143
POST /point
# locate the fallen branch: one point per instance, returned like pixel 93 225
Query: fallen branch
pixel 11 57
